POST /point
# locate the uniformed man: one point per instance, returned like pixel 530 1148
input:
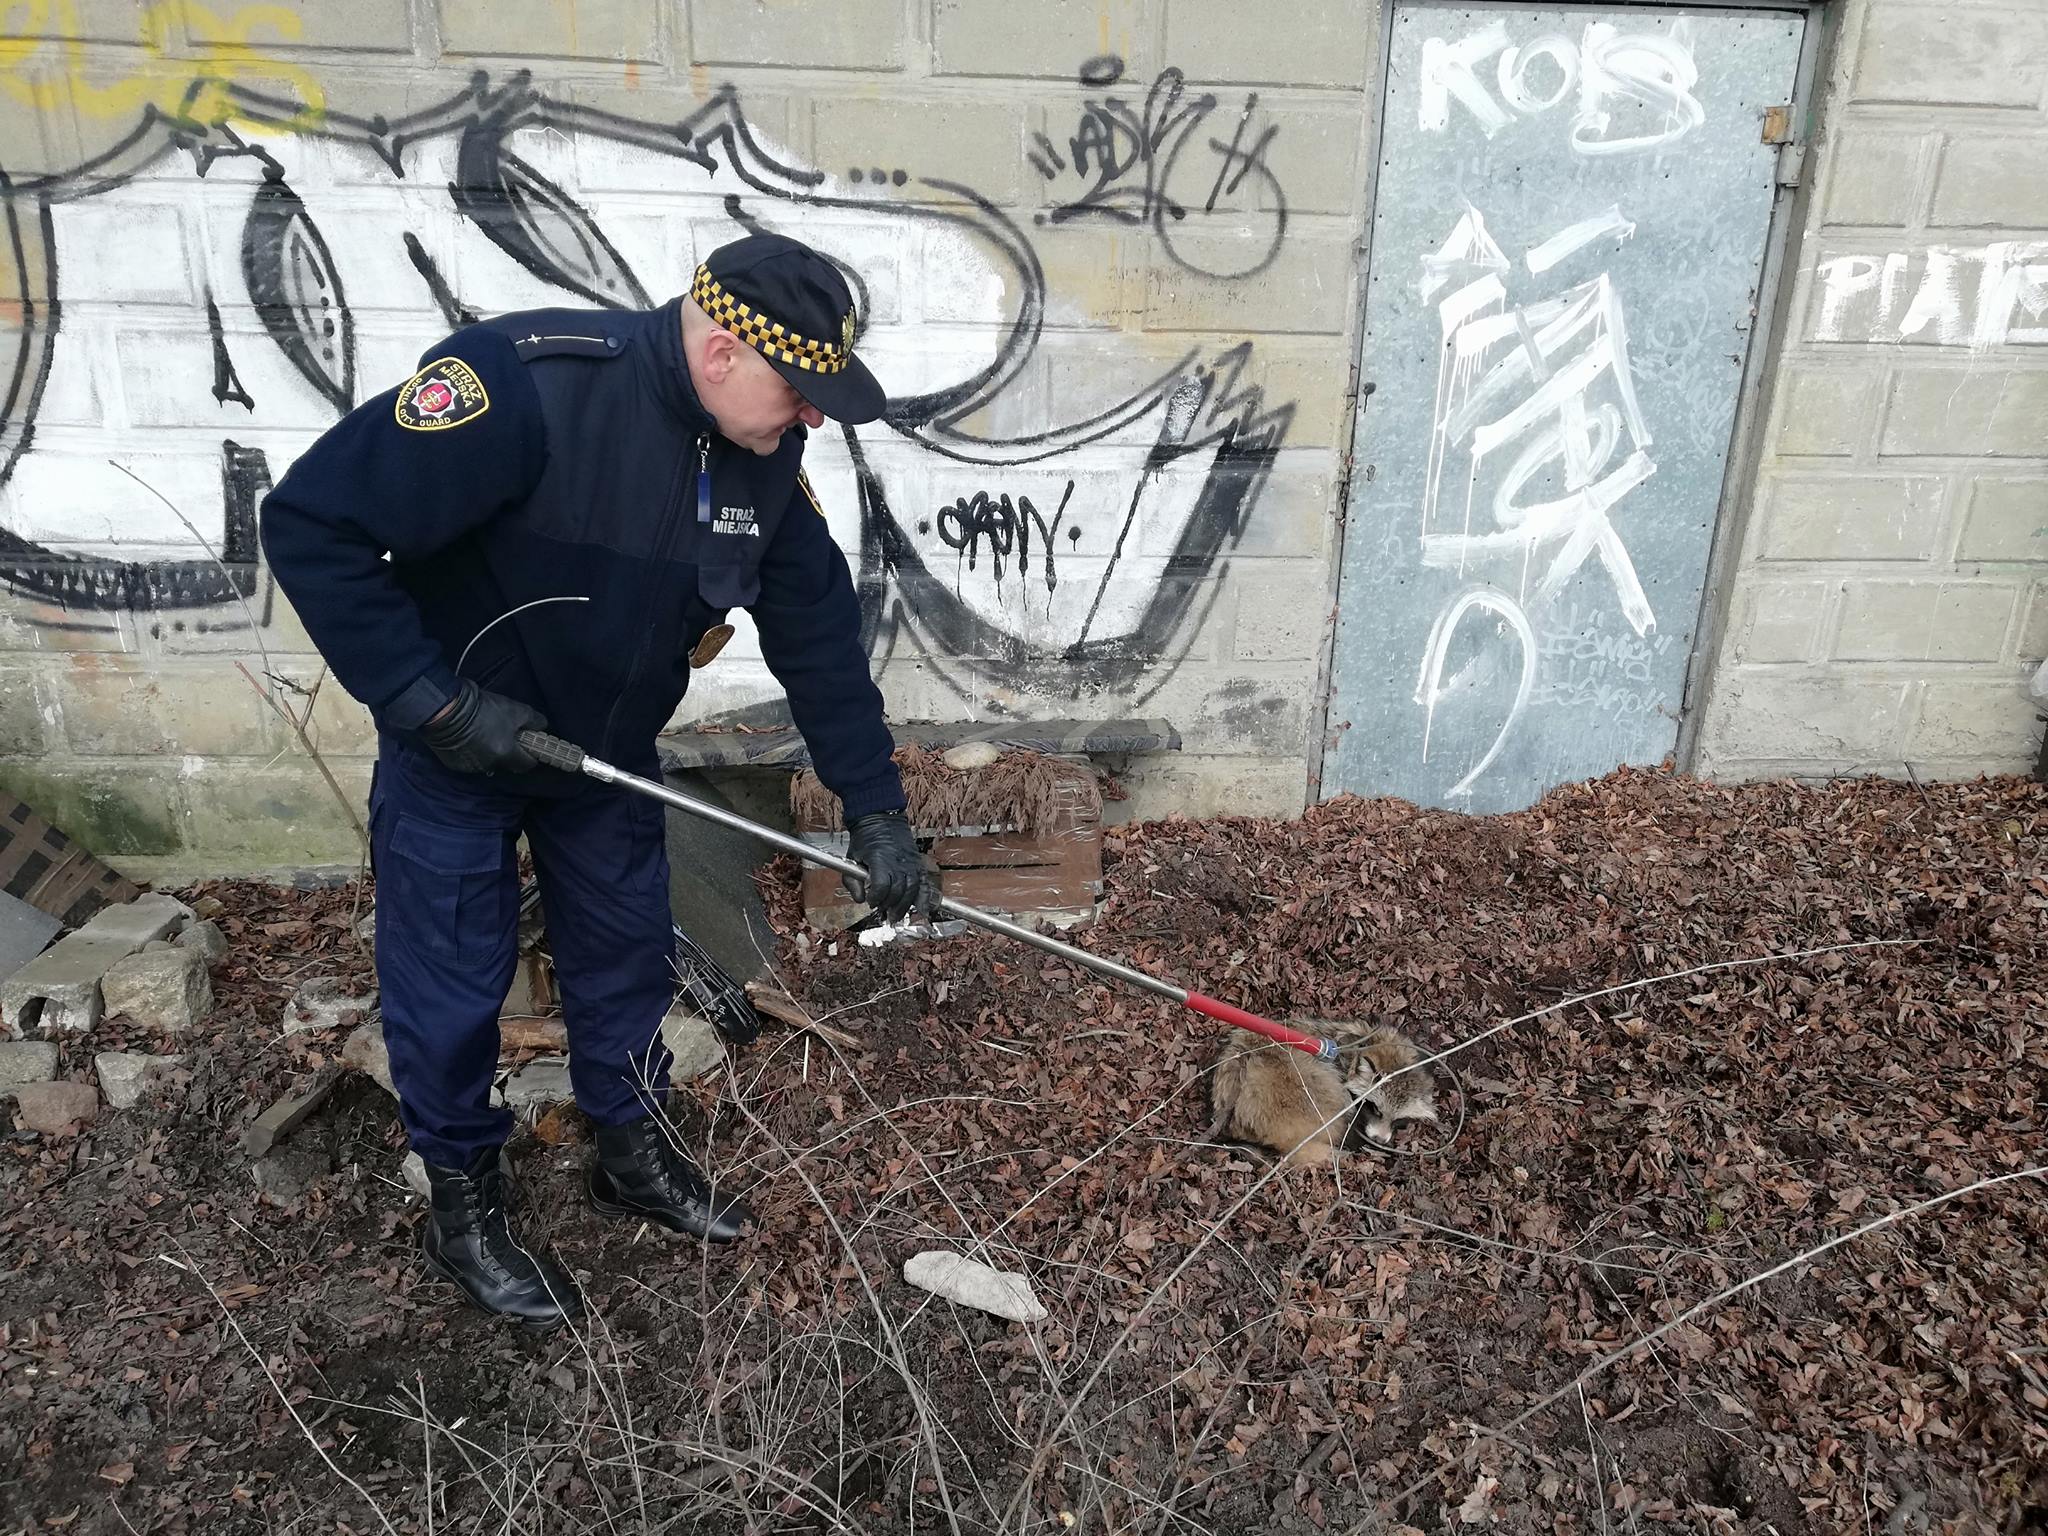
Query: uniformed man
pixel 648 466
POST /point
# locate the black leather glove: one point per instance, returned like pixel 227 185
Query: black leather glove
pixel 883 844
pixel 479 732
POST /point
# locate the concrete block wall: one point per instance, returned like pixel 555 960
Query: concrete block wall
pixel 1892 590
pixel 1111 244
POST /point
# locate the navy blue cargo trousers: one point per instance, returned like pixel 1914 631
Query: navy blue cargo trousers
pixel 443 845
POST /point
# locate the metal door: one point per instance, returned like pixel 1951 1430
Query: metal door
pixel 1567 246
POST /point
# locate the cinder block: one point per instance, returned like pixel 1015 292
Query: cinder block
pixel 113 809
pixel 981 143
pixel 1972 718
pixel 1852 517
pixel 1202 784
pixel 1333 43
pixel 1284 609
pixel 1873 177
pixel 1780 620
pixel 1825 412
pixel 135 712
pixel 584 29
pixel 1050 39
pixel 225 629
pixel 2033 641
pixel 1990 179
pixel 1313 153
pixel 361 26
pixel 1310 379
pixel 1989 412
pixel 1961 55
pixel 85 21
pixel 1248 709
pixel 278 817
pixel 1213 280
pixel 848 34
pixel 1924 620
pixel 28 624
pixel 2007 520
pixel 1808 716
pixel 21 713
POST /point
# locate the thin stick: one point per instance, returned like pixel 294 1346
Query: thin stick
pixel 262 1365
pixel 313 752
pixel 1709 1305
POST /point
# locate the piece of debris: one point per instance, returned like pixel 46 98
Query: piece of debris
pixel 970 755
pixel 164 989
pixel 529 1034
pixel 544 1081
pixel 284 1176
pixel 128 1077
pixel 365 1051
pixel 366 927
pixel 562 1125
pixel 290 1112
pixel 50 872
pixel 324 1002
pixel 60 988
pixel 206 937
pixel 694 1044
pixel 24 930
pixel 974 1284
pixel 26 1061
pixel 207 907
pixel 56 1109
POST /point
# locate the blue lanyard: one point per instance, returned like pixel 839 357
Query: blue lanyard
pixel 704 479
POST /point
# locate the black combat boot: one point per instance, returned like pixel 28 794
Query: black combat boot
pixel 642 1172
pixel 467 1240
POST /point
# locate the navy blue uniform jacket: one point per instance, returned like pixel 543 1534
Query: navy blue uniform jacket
pixel 574 476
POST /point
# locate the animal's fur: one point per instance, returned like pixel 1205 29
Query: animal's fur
pixel 1307 1109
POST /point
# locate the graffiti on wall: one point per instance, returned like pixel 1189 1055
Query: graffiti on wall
pixel 200 301
pixel 1567 239
pixel 1978 297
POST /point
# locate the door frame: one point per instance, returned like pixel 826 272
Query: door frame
pixel 1754 393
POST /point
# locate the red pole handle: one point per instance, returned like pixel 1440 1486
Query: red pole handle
pixel 1230 1014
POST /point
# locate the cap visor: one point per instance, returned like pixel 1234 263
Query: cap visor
pixel 852 395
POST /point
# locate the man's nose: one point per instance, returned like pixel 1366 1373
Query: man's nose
pixel 810 416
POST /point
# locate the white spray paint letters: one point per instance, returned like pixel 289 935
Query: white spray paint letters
pixel 1635 89
pixel 1533 394
pixel 1982 297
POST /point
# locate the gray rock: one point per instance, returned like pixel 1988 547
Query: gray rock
pixel 364 1050
pixel 162 988
pixel 156 944
pixel 128 1077
pixel 56 1109
pixel 324 1002
pixel 208 906
pixel 66 975
pixel 366 927
pixel 206 937
pixel 26 1061
pixel 539 1082
pixel 24 930
pixel 152 915
pixel 695 1045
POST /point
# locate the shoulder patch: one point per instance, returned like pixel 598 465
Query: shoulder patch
pixel 445 393
pixel 804 480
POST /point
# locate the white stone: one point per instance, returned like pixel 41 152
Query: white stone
pixel 540 1082
pixel 970 755
pixel 324 1002
pixel 365 1051
pixel 694 1044
pixel 26 1061
pixel 161 988
pixel 206 937
pixel 127 1077
pixel 974 1284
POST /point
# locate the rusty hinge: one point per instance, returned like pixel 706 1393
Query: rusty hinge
pixel 1778 125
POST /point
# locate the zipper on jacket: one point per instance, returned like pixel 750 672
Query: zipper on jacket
pixel 672 523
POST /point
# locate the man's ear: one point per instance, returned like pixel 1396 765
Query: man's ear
pixel 721 349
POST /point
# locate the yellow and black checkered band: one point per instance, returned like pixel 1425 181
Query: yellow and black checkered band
pixel 769 337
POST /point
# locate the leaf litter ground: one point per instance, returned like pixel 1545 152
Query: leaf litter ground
pixel 1229 1349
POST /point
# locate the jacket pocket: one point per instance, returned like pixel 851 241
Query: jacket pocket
pixel 728 586
pixel 454 896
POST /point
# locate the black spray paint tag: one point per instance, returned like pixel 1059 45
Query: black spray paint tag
pixel 445 393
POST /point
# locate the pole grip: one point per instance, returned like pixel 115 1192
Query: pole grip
pixel 553 751
pixel 1230 1013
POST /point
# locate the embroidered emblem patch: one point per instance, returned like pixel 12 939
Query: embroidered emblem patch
pixel 804 480
pixel 445 393
pixel 846 333
pixel 713 642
